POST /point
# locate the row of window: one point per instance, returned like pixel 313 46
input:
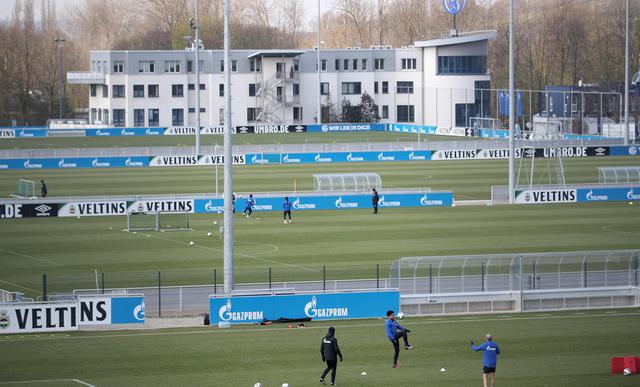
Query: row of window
pixel 402 87
pixel 462 64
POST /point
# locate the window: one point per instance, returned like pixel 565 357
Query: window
pixel 323 65
pixel 252 90
pixel 138 117
pixel 154 117
pixel 146 66
pixel 118 67
pixel 222 66
pixel 296 65
pixel 105 91
pixel 345 65
pixel 385 111
pixel 177 90
pixel 221 89
pixel 192 110
pixel 171 66
pixel 177 117
pixel 297 113
pixel 375 88
pixel 138 91
pixel 378 64
pixel 355 65
pixel 153 91
pixel 337 64
pixel 234 66
pixel 203 86
pixel 385 87
pixel 296 89
pixel 221 116
pixel 404 87
pixel 189 66
pixel 118 117
pixel 255 65
pixel 409 63
pixel 118 91
pixel 351 88
pixel 203 110
pixel 364 65
pixel 191 86
pixel 405 113
pixel 324 88
pixel 92 90
pixel 462 64
pixel 252 114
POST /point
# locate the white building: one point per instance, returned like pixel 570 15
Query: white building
pixel 429 83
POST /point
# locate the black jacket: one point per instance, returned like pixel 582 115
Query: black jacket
pixel 329 348
pixel 375 199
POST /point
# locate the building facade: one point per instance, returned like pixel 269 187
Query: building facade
pixel 430 83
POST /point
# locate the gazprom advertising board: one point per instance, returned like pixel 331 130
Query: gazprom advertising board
pixel 69 316
pixel 319 306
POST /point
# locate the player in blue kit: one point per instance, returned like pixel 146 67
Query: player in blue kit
pixel 395 332
pixel 248 206
pixel 286 207
pixel 490 352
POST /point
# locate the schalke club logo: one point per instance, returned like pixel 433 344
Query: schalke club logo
pixel 453 6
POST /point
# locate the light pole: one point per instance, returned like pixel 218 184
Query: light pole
pixel 319 118
pixel 511 109
pixel 626 77
pixel 60 44
pixel 195 25
pixel 228 157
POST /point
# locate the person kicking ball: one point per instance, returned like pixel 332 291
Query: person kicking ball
pixel 395 332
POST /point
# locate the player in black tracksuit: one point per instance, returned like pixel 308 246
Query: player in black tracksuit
pixel 330 352
pixel 375 199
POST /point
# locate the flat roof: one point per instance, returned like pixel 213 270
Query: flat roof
pixel 465 37
pixel 277 53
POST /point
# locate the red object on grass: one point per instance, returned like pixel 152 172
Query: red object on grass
pixel 619 363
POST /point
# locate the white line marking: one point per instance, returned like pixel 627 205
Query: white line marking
pixel 31 256
pixel 19 286
pixel 321 327
pixel 608 228
pixel 49 381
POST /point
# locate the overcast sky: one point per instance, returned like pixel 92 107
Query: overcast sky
pixel 6 6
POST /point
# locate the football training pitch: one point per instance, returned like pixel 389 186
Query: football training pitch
pixel 538 349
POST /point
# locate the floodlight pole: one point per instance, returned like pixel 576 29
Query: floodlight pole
pixel 228 157
pixel 197 28
pixel 626 77
pixel 60 44
pixel 511 109
pixel 319 118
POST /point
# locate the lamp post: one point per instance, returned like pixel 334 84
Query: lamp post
pixel 626 77
pixel 319 107
pixel 60 44
pixel 195 25
pixel 228 157
pixel 511 108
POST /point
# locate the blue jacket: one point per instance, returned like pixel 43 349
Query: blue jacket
pixel 490 352
pixel 391 326
pixel 250 203
pixel 286 205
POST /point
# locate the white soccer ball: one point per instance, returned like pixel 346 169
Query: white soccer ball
pixel 257 385
pixel 453 205
pixel 285 384
pixel 215 222
pixel 191 243
pixel 400 316
pixel 364 373
pixel 443 370
pixel 627 372
pixel 209 234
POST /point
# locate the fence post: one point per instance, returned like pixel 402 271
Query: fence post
pixel 636 259
pixel 159 295
pixel 584 272
pixel 102 281
pixel 269 277
pixel 535 276
pixel 44 287
pixel 324 278
pixel 430 279
pixel 482 273
pixel 377 276
pixel 215 281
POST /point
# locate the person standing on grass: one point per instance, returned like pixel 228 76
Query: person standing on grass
pixel 43 189
pixel 286 207
pixel 375 199
pixel 490 352
pixel 233 203
pixel 330 352
pixel 395 332
pixel 248 207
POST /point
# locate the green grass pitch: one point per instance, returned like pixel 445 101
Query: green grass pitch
pixel 550 349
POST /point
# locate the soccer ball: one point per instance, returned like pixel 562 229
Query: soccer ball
pixel 285 384
pixel 400 315
pixel 627 372
pixel 209 233
pixel 363 373
pixel 191 243
pixel 257 385
pixel 443 370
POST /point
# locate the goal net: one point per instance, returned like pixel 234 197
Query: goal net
pixel 25 189
pixel 158 221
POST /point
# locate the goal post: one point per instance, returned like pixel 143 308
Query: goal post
pixel 25 189
pixel 158 221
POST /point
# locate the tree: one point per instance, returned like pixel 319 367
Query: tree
pixel 368 109
pixel 350 113
pixel 329 113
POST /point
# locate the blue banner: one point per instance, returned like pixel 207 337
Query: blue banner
pixel 503 99
pixel 337 157
pixel 330 202
pixel 28 133
pixel 411 128
pixel 75 162
pixel 346 128
pixel 587 195
pixel 625 150
pixel 338 306
pixel 127 310
pixel 118 132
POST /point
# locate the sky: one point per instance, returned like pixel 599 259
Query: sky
pixel 6 6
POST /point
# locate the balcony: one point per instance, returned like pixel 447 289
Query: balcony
pixel 85 78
